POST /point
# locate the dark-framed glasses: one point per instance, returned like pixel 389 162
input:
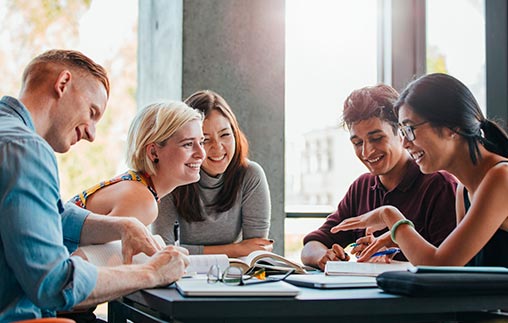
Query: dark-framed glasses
pixel 234 276
pixel 408 132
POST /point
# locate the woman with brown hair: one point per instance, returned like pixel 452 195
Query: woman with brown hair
pixel 228 210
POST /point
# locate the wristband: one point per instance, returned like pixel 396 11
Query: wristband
pixel 396 225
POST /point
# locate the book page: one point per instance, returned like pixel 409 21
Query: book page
pixel 363 268
pixel 200 264
pixel 269 258
pixel 110 254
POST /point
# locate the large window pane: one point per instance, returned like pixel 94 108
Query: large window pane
pixel 331 49
pixel 456 42
pixel 30 27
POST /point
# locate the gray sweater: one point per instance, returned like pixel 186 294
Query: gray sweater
pixel 248 218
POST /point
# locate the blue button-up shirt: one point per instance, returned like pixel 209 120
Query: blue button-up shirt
pixel 37 232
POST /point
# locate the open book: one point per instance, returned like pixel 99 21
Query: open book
pixel 364 268
pixel 110 254
pixel 272 262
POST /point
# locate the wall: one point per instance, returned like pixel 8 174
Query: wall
pixel 236 48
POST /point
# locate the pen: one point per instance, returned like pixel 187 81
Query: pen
pixel 352 245
pixel 390 251
pixel 176 232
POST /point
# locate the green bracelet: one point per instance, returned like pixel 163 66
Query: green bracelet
pixel 396 225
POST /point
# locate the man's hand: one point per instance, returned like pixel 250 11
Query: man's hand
pixel 335 253
pixel 163 268
pixel 135 239
pixel 169 264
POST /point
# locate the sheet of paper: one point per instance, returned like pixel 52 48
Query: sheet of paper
pixel 110 254
pixel 363 268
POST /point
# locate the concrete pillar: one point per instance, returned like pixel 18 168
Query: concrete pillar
pixel 236 48
pixel 159 51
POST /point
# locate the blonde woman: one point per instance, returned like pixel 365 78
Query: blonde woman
pixel 164 151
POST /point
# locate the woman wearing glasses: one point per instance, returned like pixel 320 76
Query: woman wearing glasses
pixel 444 129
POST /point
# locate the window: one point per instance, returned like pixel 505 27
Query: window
pixel 456 42
pixel 30 27
pixel 331 49
pixel 334 52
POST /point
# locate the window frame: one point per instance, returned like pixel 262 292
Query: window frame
pixel 409 16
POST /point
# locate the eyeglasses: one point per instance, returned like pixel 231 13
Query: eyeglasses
pixel 408 132
pixel 234 276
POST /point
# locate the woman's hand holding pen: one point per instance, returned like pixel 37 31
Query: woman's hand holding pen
pixel 357 247
pixel 372 221
pixel 381 243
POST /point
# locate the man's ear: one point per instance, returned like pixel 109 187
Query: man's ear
pixel 62 82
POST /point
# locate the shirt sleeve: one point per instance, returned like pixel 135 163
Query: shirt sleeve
pixel 256 204
pixel 31 228
pixel 344 211
pixel 73 218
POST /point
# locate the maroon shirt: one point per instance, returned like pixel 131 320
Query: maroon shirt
pixel 426 199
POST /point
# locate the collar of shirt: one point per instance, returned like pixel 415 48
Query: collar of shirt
pixel 412 173
pixel 15 107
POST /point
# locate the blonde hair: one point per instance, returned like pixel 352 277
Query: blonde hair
pixel 156 123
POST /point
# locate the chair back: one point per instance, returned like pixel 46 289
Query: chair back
pixel 48 320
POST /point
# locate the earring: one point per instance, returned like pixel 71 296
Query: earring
pixel 156 160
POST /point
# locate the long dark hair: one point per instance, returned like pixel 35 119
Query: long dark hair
pixel 186 197
pixel 445 101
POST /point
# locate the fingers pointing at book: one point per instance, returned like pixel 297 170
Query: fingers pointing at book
pixel 136 239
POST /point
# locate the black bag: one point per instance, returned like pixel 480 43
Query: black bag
pixel 445 284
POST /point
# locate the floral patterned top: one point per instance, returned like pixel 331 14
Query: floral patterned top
pixel 130 175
